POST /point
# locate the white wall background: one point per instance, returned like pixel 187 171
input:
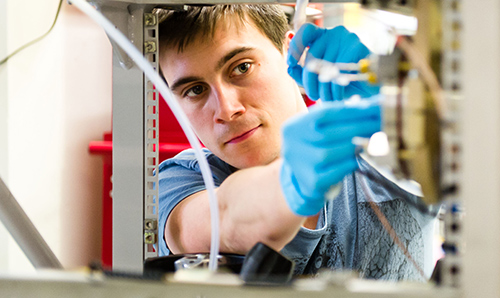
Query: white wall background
pixel 377 29
pixel 3 121
pixel 55 97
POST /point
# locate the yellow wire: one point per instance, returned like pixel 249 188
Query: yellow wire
pixel 4 60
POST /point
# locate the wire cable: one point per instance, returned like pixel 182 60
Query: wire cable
pixel 4 60
pixel 425 72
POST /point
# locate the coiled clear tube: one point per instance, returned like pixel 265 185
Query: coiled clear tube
pixel 148 70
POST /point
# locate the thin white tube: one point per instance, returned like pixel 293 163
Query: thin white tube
pixel 144 65
pixel 299 18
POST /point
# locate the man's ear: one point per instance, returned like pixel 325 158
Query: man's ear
pixel 288 37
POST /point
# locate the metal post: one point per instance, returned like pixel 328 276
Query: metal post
pixel 24 232
pixel 481 156
pixel 151 137
pixel 128 157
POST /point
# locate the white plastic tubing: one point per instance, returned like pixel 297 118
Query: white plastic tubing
pixel 299 18
pixel 148 70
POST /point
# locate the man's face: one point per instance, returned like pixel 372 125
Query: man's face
pixel 235 91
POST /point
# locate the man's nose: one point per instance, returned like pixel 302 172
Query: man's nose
pixel 228 105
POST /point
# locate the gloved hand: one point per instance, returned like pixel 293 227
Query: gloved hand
pixel 332 45
pixel 317 150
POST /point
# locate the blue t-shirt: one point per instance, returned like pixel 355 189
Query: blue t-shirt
pixel 348 235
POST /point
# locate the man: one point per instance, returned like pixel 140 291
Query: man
pixel 273 162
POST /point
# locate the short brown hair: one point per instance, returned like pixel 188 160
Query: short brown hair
pixel 179 28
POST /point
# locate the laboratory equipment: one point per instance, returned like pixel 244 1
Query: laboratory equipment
pixel 452 12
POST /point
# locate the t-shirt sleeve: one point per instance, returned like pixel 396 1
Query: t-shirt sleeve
pixel 180 177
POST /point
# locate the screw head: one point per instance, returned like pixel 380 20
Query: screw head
pixel 149 238
pixel 149 19
pixel 149 47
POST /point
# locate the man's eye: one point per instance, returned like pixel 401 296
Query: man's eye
pixel 242 68
pixel 195 91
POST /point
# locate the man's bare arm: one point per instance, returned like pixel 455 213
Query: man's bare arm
pixel 252 209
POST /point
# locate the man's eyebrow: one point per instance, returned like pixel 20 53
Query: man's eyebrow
pixel 183 81
pixel 231 54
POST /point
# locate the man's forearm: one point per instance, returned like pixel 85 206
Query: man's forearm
pixel 252 209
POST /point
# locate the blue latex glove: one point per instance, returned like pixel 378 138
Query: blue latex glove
pixel 317 150
pixel 333 45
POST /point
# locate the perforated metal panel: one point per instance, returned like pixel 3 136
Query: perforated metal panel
pixel 451 151
pixel 151 98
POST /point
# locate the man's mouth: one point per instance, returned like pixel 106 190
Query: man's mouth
pixel 243 136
